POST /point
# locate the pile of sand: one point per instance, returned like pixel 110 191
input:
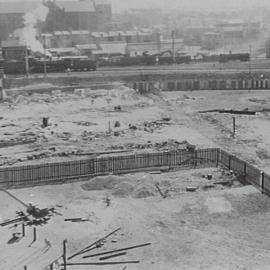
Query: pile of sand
pixel 102 182
pixel 106 182
pixel 139 186
pixel 123 189
pixel 143 191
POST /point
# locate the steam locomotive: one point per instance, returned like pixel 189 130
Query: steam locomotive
pixel 49 65
pixel 144 60
pixel 224 58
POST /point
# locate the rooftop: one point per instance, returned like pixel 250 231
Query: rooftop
pixel 112 48
pixel 76 6
pixel 102 2
pixel 12 43
pixel 17 7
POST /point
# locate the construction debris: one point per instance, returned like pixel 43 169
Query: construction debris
pixel 112 256
pixel 160 192
pixel 33 215
pixel 76 219
pixel 116 250
pixel 191 189
pixel 95 244
pixel 118 108
pixel 159 146
pixel 244 112
pixel 100 263
pixel 117 124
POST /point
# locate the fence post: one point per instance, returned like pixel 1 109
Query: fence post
pixel 34 234
pixel 245 173
pixel 23 229
pixel 195 158
pixel 233 126
pixel 217 157
pixel 65 254
pixel 230 157
pixel 262 181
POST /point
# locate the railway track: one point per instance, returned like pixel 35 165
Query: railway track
pixel 262 66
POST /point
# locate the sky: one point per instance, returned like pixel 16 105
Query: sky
pixel 205 5
pixel 190 4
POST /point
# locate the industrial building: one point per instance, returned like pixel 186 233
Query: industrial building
pixel 88 15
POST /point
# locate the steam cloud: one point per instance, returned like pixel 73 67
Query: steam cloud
pixel 29 33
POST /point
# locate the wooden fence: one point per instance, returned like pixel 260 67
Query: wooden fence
pixel 247 173
pixel 64 171
pixel 200 84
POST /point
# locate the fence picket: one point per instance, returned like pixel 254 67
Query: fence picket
pixel 60 171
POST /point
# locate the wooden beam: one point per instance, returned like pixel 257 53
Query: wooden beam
pixel 101 263
pixel 93 244
pixel 112 256
pixel 116 250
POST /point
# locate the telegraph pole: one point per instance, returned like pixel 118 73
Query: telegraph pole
pixel 173 45
pixel 45 64
pixel 249 67
pixel 26 62
pixel 1 77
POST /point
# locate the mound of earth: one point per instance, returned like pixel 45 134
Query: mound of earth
pixel 144 191
pixel 106 182
pixel 102 182
pixel 123 189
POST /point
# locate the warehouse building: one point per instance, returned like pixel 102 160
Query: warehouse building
pixel 88 15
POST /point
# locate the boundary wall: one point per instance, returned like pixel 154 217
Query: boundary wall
pixel 200 84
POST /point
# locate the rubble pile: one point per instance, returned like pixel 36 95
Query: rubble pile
pixel 159 146
pixel 17 141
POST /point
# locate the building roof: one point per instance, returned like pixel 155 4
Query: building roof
pixel 112 48
pixel 87 47
pixel 102 2
pixel 80 32
pixel 61 33
pixel 12 43
pixel 11 7
pixel 99 34
pixel 76 6
pixel 233 29
pixel 152 47
pixel 63 50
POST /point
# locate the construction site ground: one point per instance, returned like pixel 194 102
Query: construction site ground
pixel 89 122
pixel 216 228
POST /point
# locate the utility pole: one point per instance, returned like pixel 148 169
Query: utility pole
pixel 45 64
pixel 1 79
pixel 173 45
pixel 249 68
pixel 26 62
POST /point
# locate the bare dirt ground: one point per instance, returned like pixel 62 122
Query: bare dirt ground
pixel 216 228
pixel 86 122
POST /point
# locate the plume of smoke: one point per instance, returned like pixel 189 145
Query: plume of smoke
pixel 28 34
